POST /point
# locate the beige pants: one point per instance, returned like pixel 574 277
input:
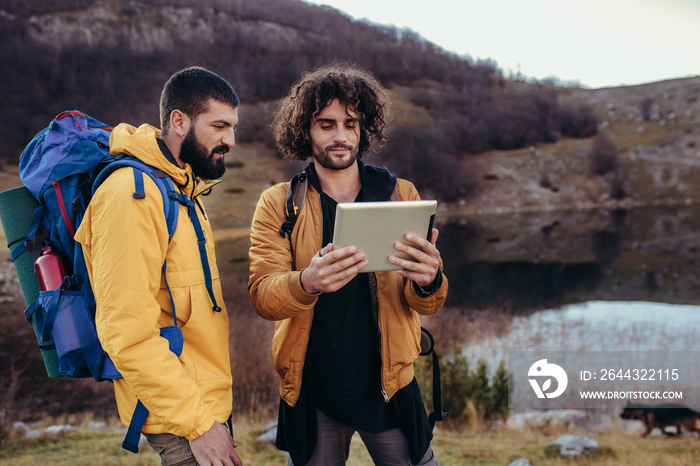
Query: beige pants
pixel 173 450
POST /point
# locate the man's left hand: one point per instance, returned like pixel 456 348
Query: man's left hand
pixel 215 447
pixel 424 271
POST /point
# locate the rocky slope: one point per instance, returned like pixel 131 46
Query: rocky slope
pixel 659 156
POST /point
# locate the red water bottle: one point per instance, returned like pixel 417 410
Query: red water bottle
pixel 49 269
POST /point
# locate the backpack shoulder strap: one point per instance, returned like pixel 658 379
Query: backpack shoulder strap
pixel 427 347
pixel 162 180
pixel 167 191
pixel 293 203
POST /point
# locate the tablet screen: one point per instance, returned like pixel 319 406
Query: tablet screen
pixel 374 227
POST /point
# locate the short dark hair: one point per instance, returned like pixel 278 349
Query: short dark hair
pixel 189 91
pixel 314 91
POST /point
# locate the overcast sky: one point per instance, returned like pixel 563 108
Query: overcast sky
pixel 597 42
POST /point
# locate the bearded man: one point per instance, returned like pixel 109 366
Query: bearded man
pixel 126 243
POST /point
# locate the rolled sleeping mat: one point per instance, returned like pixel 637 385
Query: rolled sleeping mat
pixel 16 208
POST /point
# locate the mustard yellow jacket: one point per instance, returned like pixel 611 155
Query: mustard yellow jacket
pixel 125 242
pixel 276 293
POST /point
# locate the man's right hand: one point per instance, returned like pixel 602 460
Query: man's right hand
pixel 330 270
pixel 215 447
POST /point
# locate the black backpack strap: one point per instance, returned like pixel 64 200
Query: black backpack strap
pixel 293 203
pixel 427 346
pixel 37 237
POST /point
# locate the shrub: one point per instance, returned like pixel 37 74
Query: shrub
pixel 507 119
pixel 500 386
pixel 545 180
pixel 617 189
pixel 426 155
pixel 603 155
pixel 577 122
pixel 469 396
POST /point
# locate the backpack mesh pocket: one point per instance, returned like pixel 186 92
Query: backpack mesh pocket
pixel 79 351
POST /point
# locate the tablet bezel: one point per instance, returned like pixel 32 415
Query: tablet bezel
pixel 392 220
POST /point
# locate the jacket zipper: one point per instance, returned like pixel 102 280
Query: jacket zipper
pixel 381 353
pixel 375 299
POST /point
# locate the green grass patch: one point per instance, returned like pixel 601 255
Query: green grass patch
pixel 75 449
pixel 452 447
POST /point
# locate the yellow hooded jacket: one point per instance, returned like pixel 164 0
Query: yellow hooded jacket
pixel 275 290
pixel 125 242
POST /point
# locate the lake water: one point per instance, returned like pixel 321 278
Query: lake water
pixel 584 282
pixel 536 261
pixel 596 326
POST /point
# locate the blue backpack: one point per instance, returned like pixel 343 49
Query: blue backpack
pixel 62 167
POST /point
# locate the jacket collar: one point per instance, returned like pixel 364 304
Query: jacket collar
pixel 166 151
pixel 145 144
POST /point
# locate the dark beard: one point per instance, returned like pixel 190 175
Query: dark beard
pixel 203 165
pixel 327 161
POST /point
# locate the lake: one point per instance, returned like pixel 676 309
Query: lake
pixel 535 261
pixel 581 285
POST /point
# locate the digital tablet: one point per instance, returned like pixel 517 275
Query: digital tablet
pixel 374 227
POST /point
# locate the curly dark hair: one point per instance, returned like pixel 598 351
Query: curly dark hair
pixel 352 86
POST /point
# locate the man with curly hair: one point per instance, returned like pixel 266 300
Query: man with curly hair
pixel 344 342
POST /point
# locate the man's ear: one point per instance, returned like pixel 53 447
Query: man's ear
pixel 179 122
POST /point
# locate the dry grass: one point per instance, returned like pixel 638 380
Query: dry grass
pixel 452 448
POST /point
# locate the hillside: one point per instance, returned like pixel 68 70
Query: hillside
pixel 110 58
pixel 461 131
pixel 655 131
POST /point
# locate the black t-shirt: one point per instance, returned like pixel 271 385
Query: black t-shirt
pixel 344 352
